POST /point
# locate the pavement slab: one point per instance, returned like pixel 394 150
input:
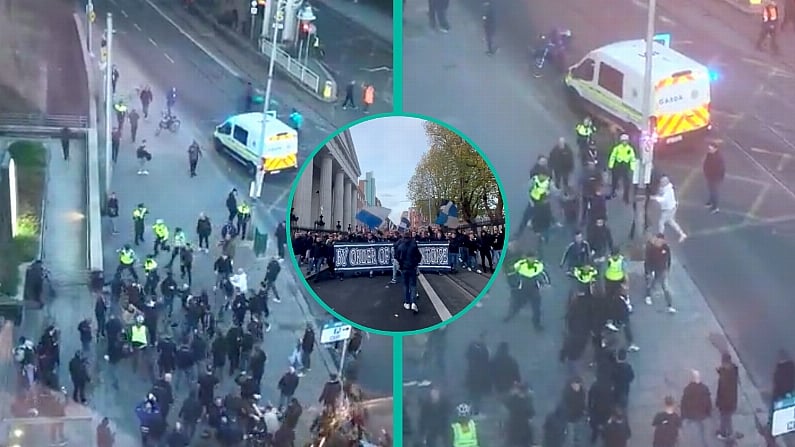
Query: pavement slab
pixel 515 119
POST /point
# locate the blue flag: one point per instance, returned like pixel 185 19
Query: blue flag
pixel 448 215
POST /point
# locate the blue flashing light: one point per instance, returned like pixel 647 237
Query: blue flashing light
pixel 714 76
pixel 663 39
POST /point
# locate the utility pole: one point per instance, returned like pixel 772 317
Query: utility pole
pixel 642 175
pixel 255 191
pixel 108 102
pixel 90 17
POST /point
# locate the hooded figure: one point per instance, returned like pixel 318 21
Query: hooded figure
pixel 505 370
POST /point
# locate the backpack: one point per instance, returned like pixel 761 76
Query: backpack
pixel 20 354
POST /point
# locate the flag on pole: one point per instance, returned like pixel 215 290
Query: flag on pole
pixel 404 221
pixel 373 216
pixel 448 215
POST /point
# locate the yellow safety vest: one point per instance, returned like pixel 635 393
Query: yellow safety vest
pixel 583 130
pixel 585 275
pixel 465 438
pixel 139 213
pixel 127 257
pixel 529 268
pixel 120 107
pixel 243 209
pixel 149 265
pixel 539 189
pixel 161 231
pixel 615 268
pixel 622 153
pixel 138 335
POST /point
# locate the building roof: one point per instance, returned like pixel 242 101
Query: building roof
pixel 630 56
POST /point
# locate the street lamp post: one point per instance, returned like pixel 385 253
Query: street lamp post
pixel 642 175
pixel 108 101
pixel 90 16
pixel 306 15
pixel 256 186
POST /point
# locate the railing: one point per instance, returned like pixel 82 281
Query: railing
pixel 293 67
pixel 75 122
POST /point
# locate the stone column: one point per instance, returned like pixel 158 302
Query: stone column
pixel 339 187
pixel 346 205
pixel 326 171
pixel 302 201
pixel 354 203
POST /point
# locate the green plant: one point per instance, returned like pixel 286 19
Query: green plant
pixel 30 158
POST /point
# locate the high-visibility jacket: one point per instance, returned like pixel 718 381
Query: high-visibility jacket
pixel 583 130
pixel 120 107
pixel 139 213
pixel 180 239
pixel 243 209
pixel 369 95
pixel 138 335
pixel 127 257
pixel 622 153
pixel 585 274
pixel 465 435
pixel 161 231
pixel 615 268
pixel 770 14
pixel 539 188
pixel 149 265
pixel 529 268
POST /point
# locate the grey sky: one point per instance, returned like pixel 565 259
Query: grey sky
pixel 391 148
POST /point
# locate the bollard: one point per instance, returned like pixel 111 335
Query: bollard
pixel 328 90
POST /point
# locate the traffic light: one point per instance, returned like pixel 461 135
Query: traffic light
pixel 305 27
pixel 261 3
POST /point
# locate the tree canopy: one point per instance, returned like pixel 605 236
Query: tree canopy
pixel 453 170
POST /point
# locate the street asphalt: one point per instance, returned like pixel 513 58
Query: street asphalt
pixel 375 303
pixel 741 273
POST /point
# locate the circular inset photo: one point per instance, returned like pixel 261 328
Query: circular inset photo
pixel 398 224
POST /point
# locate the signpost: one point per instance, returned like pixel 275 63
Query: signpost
pixel 783 420
pixel 336 331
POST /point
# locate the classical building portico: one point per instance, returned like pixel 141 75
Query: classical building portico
pixel 327 187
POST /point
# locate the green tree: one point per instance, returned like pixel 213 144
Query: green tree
pixel 452 169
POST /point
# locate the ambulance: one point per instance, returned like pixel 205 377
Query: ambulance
pixel 608 82
pixel 240 137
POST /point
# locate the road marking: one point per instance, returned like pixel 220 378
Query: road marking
pixel 764 169
pixel 768 152
pixel 137 27
pixel 758 202
pixel 667 20
pixel 168 57
pixel 640 4
pixel 783 163
pixel 212 56
pixel 741 226
pixel 441 309
pixel 152 41
pixel 691 177
pixel 124 13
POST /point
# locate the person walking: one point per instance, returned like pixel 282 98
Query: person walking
pixel 133 117
pixel 115 143
pixel 726 396
pixel 368 97
pixel 194 153
pixel 714 169
pixel 114 79
pixel 348 101
pixel 66 135
pixel 146 99
pixel 112 211
pixel 489 26
pixel 666 197
pixel 409 256
pixel 696 406
pixel 437 15
pixel 666 425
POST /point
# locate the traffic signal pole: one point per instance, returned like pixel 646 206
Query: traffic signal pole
pixel 90 15
pixel 108 102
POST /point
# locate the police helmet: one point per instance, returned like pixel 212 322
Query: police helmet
pixel 139 319
pixel 127 247
pixel 624 137
pixel 463 410
pixel 159 221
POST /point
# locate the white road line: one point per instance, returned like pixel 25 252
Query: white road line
pixel 667 20
pixel 194 41
pixel 168 57
pixel 124 13
pixel 152 41
pixel 137 27
pixel 441 309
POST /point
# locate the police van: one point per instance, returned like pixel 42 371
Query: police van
pixel 240 137
pixel 608 82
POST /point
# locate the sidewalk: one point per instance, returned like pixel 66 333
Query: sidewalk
pixel 365 15
pixel 671 345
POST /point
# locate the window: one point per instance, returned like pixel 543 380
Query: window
pixel 241 135
pixel 611 80
pixel 585 70
pixel 225 129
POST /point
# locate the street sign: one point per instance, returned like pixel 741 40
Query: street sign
pixel 253 9
pixel 783 416
pixel 335 331
pixel 663 39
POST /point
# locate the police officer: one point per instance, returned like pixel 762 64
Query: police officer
pixel 465 431
pixel 139 338
pixel 622 164
pixel 161 237
pixel 585 131
pixel 585 277
pixel 179 242
pixel 769 26
pixel 139 216
pixel 615 273
pixel 526 280
pixel 150 272
pixel 127 261
pixel 121 113
pixel 538 193
pixel 243 218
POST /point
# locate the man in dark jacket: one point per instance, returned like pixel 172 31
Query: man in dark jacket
pixel 287 386
pixel 726 397
pixel 784 375
pixel 332 391
pixel 78 372
pixel 434 419
pixel 231 204
pixel 696 405
pixel 600 406
pixel 714 172
pixel 269 283
pixel 307 347
pixel 561 160
pixel 573 404
pixel 408 256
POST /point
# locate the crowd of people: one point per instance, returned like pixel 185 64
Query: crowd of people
pixel 188 351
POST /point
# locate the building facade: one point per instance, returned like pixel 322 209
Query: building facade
pixel 416 218
pixel 360 200
pixel 369 188
pixel 327 194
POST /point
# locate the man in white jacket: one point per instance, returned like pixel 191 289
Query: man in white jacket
pixel 667 200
